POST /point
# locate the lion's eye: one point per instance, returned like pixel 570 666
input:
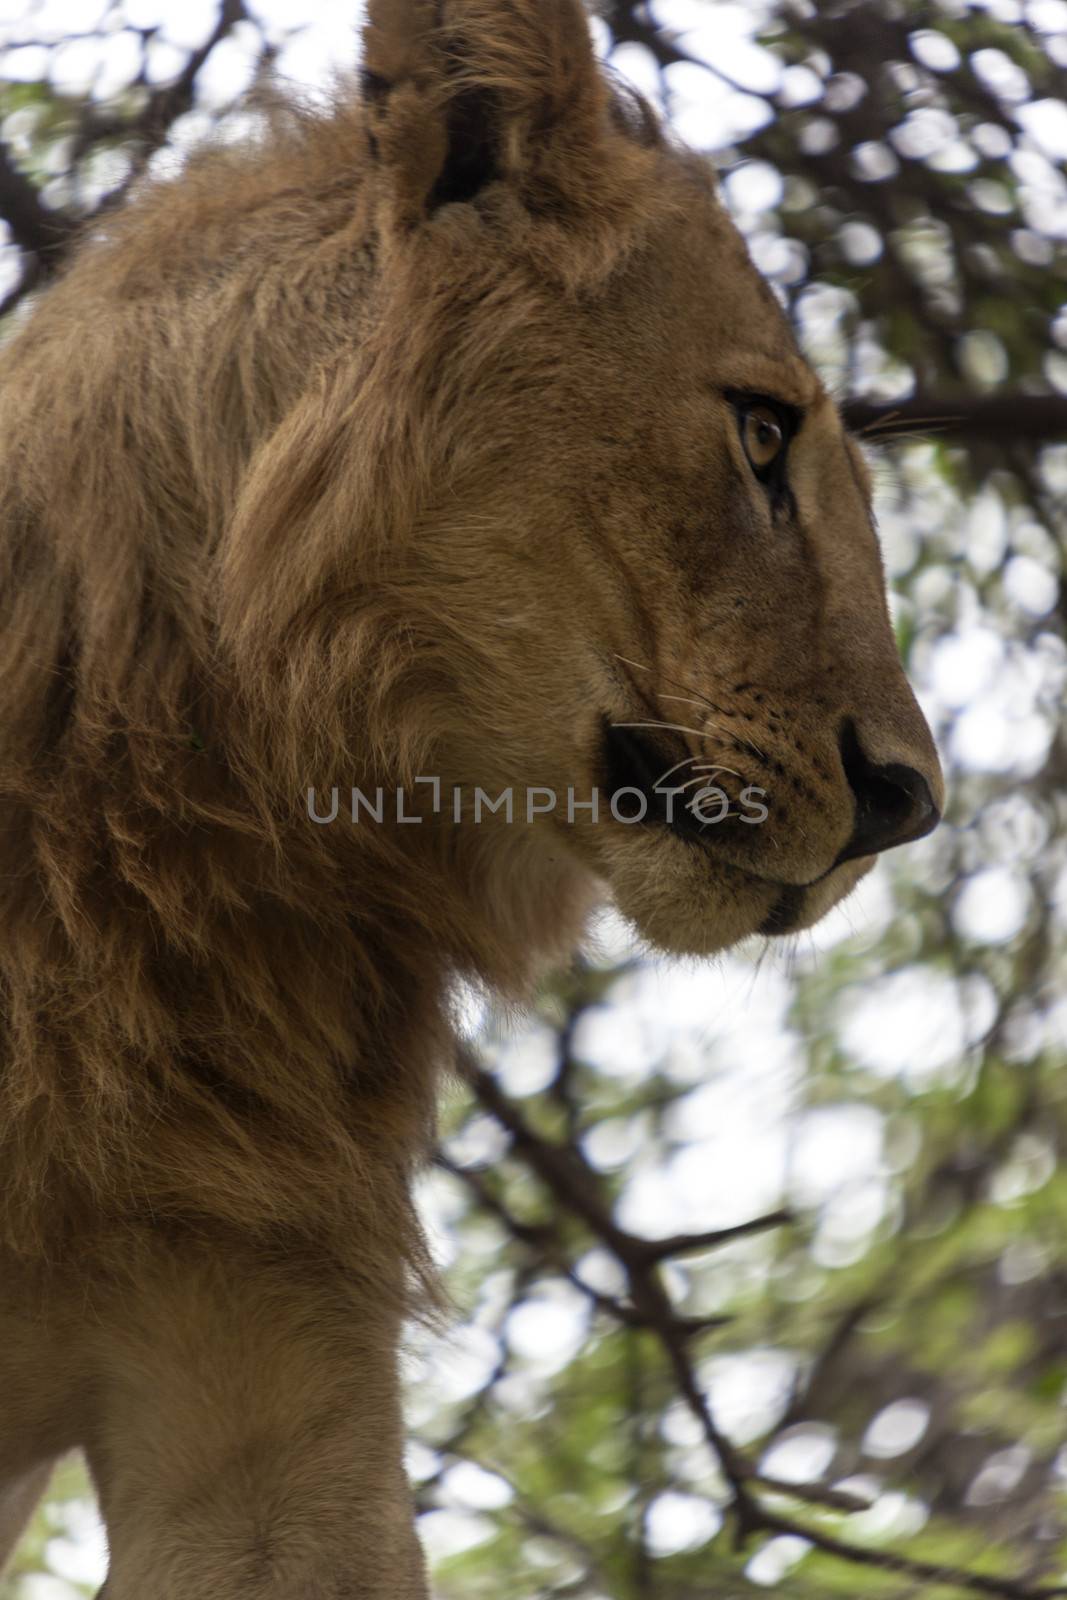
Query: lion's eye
pixel 767 427
pixel 763 437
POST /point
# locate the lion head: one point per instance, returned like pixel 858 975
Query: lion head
pixel 613 531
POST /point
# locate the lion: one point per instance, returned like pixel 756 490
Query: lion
pixel 440 443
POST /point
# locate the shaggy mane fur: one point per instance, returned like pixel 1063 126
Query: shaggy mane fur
pixel 209 1010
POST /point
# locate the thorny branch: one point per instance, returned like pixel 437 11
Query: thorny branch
pixel 44 235
pixel 576 1189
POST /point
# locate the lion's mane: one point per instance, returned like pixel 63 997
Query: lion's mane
pixel 210 1009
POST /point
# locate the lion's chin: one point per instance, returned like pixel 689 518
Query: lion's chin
pixel 685 901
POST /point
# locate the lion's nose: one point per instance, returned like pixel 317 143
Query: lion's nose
pixel 893 802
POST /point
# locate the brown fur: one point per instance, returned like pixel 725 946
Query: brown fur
pixel 394 443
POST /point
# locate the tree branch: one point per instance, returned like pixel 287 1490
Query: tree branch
pixel 36 229
pixel 163 107
pixel 910 1566
pixel 46 236
pixel 1002 418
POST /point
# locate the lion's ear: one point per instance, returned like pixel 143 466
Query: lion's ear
pixel 460 93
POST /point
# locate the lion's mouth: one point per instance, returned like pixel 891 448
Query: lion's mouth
pixel 634 762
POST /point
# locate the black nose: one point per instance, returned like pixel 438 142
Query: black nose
pixel 893 803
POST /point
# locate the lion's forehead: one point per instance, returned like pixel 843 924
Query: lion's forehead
pixel 695 287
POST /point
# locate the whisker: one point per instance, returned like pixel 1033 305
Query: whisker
pixel 715 725
pixel 682 699
pixel 677 766
pixel 670 727
pixel 718 767
pixel 727 816
pixel 899 427
pixel 701 699
pixel 704 778
pixel 704 700
pixel 899 419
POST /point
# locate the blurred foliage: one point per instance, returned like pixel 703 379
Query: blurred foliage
pixel 864 1392
pixel 61 1527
